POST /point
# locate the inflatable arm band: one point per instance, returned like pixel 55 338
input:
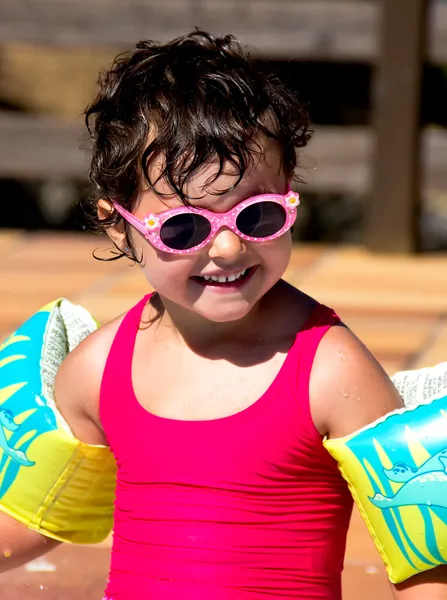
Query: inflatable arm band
pixel 49 480
pixel 422 385
pixel 396 469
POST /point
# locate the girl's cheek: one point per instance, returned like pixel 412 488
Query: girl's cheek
pixel 136 244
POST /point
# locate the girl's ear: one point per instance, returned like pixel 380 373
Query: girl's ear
pixel 115 232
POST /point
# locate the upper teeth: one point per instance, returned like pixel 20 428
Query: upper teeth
pixel 223 279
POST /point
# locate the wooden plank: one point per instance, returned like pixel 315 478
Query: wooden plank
pixel 437 31
pixel 338 159
pixel 36 146
pixel 317 29
pixel 392 218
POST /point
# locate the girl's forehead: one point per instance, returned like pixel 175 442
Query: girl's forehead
pixel 205 190
pixel 211 198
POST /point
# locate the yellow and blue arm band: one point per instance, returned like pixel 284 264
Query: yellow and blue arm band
pixel 49 480
pixel 396 469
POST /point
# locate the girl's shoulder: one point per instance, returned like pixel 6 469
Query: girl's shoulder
pixel 348 387
pixel 78 383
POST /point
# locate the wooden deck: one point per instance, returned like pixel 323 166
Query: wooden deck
pixel 396 304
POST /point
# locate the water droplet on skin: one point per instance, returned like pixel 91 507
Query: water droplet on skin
pixel 371 570
pixel 344 394
pixel 40 565
pixel 342 355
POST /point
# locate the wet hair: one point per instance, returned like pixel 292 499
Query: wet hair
pixel 193 100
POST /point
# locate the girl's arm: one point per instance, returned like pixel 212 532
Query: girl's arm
pixel 348 390
pixel 19 545
pixel 431 585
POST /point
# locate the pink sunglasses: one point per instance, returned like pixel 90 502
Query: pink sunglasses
pixel 185 229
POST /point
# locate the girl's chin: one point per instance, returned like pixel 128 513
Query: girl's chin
pixel 226 312
pixel 221 309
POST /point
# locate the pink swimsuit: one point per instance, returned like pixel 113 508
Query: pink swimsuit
pixel 246 507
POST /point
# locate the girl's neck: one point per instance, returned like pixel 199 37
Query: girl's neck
pixel 201 334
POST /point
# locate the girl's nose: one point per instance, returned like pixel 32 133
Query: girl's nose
pixel 226 245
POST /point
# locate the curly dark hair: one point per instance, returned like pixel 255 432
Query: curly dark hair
pixel 199 98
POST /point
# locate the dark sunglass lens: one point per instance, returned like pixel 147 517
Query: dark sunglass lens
pixel 261 220
pixel 185 231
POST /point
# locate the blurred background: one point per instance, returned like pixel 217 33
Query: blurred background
pixel 372 228
pixel 331 51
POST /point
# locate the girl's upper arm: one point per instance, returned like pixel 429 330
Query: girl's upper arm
pixel 77 388
pixel 19 545
pixel 348 387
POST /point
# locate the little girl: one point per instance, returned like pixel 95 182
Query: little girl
pixel 215 391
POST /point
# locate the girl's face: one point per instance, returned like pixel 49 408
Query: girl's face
pixel 186 280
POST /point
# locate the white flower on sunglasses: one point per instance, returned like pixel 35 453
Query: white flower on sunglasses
pixel 152 222
pixel 292 200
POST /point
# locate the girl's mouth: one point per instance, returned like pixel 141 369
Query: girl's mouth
pixel 233 281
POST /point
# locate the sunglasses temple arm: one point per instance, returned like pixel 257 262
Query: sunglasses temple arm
pixel 131 219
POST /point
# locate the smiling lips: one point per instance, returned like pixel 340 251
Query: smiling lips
pixel 221 279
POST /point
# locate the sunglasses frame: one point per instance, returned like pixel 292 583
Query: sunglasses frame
pixel 150 226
